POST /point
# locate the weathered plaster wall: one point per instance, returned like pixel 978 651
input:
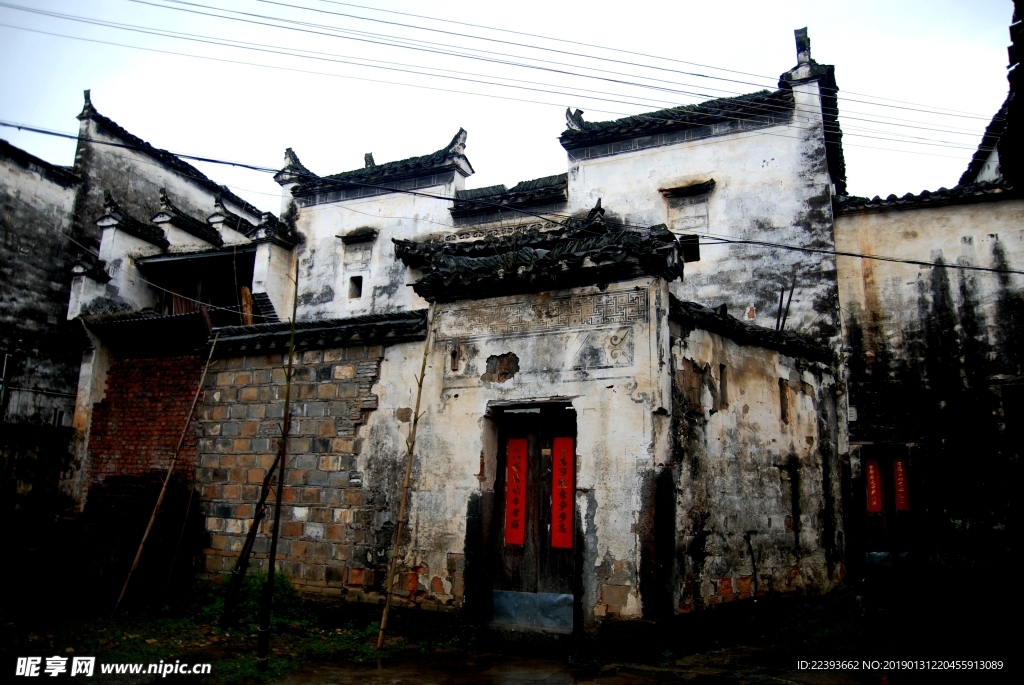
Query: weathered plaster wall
pixel 898 317
pixel 936 363
pixel 35 268
pixel 326 264
pixel 605 351
pixel 134 179
pixel 92 384
pixel 38 347
pixel 772 185
pixel 758 499
pixel 272 274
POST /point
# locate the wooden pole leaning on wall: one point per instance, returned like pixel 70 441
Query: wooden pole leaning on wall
pixel 167 479
pixel 410 447
pixel 242 563
pixel 263 641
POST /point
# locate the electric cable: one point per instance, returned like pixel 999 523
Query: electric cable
pixel 332 28
pixel 620 50
pixel 353 16
pixel 764 106
pixel 947 144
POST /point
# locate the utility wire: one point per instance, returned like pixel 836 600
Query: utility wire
pixel 547 217
pixel 233 43
pixel 285 51
pixel 628 52
pixel 414 47
pixel 398 83
pixel 535 47
pixel 907 139
pixel 336 29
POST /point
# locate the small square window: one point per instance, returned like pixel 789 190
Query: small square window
pixel 355 287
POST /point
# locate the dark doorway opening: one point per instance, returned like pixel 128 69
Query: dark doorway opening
pixel 883 506
pixel 534 527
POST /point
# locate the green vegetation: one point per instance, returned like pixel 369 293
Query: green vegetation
pixel 187 629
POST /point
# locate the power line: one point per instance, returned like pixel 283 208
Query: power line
pixel 228 61
pixel 277 50
pixel 334 28
pixel 129 274
pixel 619 50
pixel 535 47
pixel 861 255
pixel 547 217
pixel 562 71
pixel 913 140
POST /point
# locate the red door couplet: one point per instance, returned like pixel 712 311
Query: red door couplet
pixel 899 478
pixel 515 492
pixel 873 476
pixel 562 489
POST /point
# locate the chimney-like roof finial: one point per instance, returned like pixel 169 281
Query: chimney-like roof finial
pixel 803 47
pixel 87 109
pixel 368 160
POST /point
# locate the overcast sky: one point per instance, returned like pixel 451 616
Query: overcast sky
pixel 928 55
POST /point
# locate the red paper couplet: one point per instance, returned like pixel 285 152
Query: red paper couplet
pixel 562 493
pixel 899 477
pixel 515 492
pixel 873 478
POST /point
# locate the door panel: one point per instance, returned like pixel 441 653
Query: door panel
pixel 525 560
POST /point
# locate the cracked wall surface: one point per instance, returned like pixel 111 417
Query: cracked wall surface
pixel 756 475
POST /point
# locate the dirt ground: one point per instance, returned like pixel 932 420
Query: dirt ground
pixel 736 666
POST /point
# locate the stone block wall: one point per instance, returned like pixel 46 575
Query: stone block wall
pixel 137 425
pixel 325 544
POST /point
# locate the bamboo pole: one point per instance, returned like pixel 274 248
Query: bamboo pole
pixel 410 447
pixel 167 479
pixel 263 645
pixel 242 563
pixel 785 314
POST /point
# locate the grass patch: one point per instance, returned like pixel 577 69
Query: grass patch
pixel 187 628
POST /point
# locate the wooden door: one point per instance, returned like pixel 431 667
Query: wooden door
pixel 534 526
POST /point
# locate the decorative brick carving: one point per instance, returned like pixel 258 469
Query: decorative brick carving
pixel 537 314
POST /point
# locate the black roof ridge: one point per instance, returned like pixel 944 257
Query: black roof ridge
pixel 129 224
pixel 61 174
pixel 485 191
pixel 145 314
pixel 241 224
pixel 395 169
pixel 386 328
pixel 169 158
pixel 693 315
pixel 985 191
pixel 545 190
pixel 989 139
pixel 580 133
pixel 293 169
pixel 541 182
pixel 583 251
pixel 187 222
pixel 226 332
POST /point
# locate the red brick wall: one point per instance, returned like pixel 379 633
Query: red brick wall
pixel 136 428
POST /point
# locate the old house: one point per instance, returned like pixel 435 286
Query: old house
pixel 613 424
pixel 623 414
pixel 933 334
